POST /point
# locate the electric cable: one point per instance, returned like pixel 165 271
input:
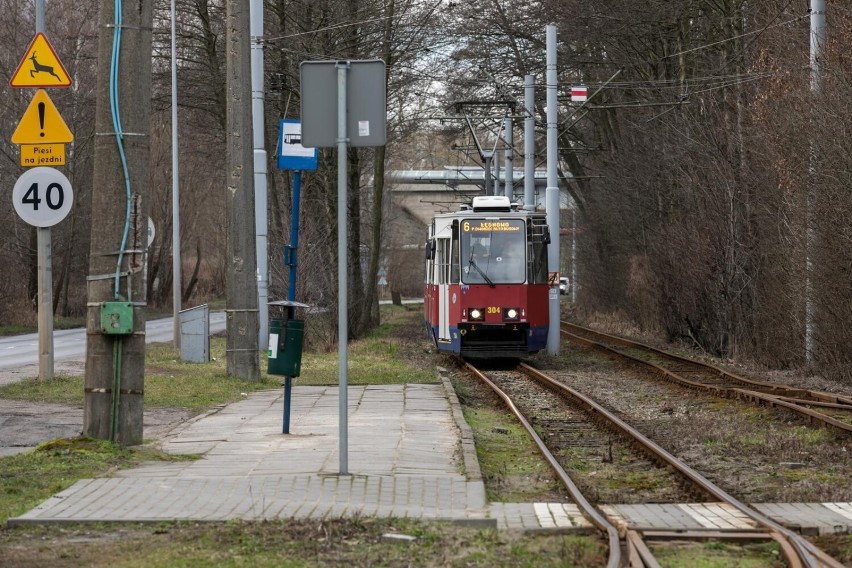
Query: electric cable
pixel 116 122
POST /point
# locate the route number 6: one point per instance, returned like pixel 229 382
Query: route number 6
pixel 42 196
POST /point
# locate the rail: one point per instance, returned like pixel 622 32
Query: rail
pixel 797 551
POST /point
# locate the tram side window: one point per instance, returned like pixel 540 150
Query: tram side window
pixel 454 257
pixel 442 261
pixel 427 273
pixel 537 257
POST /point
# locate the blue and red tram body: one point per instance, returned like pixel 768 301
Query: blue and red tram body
pixel 486 290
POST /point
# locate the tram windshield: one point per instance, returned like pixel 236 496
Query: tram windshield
pixel 493 251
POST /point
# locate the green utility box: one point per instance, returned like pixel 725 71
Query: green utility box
pixel 285 349
pixel 116 318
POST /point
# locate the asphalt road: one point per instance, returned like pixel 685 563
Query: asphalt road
pixel 70 344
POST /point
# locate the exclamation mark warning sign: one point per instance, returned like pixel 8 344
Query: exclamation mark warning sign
pixel 42 123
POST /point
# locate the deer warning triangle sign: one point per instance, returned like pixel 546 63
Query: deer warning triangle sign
pixel 40 67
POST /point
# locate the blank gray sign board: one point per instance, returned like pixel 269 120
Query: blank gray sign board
pixel 366 103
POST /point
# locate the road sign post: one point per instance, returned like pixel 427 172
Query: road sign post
pixel 343 104
pixel 42 198
pixel 293 156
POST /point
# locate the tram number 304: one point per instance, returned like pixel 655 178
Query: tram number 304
pixel 492 309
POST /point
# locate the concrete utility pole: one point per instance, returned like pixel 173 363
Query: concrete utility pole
pixel 115 361
pixel 552 191
pixel 241 287
pixel 817 43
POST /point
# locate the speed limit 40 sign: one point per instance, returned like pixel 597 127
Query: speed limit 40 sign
pixel 42 196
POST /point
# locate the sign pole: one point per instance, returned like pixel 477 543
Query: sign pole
pixel 293 156
pixel 41 134
pixel 342 263
pixel 291 286
pixel 45 304
pixel 360 108
pixel 45 272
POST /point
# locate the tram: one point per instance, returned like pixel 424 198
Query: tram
pixel 486 286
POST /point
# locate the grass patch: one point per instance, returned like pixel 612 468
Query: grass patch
pixel 300 543
pixel 512 468
pixel 379 358
pixel 373 361
pixel 717 554
pixel 59 322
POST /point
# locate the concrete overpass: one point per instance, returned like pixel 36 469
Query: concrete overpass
pixel 426 192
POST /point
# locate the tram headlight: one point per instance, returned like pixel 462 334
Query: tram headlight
pixel 511 314
pixel 476 314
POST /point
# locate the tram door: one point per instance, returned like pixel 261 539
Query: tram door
pixel 442 266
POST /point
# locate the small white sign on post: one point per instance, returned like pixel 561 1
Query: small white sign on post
pixel 152 231
pixel 42 196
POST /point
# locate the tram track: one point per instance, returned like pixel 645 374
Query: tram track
pixel 827 409
pixel 796 550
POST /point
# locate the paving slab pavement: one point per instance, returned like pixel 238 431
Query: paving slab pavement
pixel 411 454
pixel 404 459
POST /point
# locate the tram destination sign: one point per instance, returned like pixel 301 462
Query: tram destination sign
pixel 490 226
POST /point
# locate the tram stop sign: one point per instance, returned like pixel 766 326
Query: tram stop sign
pixel 42 196
pixel 366 103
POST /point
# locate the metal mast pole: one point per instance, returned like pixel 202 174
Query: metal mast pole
pixel 552 192
pixel 488 183
pixel 509 182
pixel 817 42
pixel 342 263
pixel 176 263
pixel 574 253
pixel 496 163
pixel 259 150
pixel 45 271
pixel 529 143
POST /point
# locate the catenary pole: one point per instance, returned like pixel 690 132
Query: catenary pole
pixel 574 253
pixel 509 182
pixel 552 192
pixel 529 143
pixel 496 163
pixel 817 42
pixel 260 169
pixel 176 262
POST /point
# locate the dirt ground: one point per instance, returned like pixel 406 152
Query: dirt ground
pixel 24 425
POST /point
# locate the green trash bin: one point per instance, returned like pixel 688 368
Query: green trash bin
pixel 285 349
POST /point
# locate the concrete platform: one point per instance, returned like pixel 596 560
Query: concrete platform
pixel 410 454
